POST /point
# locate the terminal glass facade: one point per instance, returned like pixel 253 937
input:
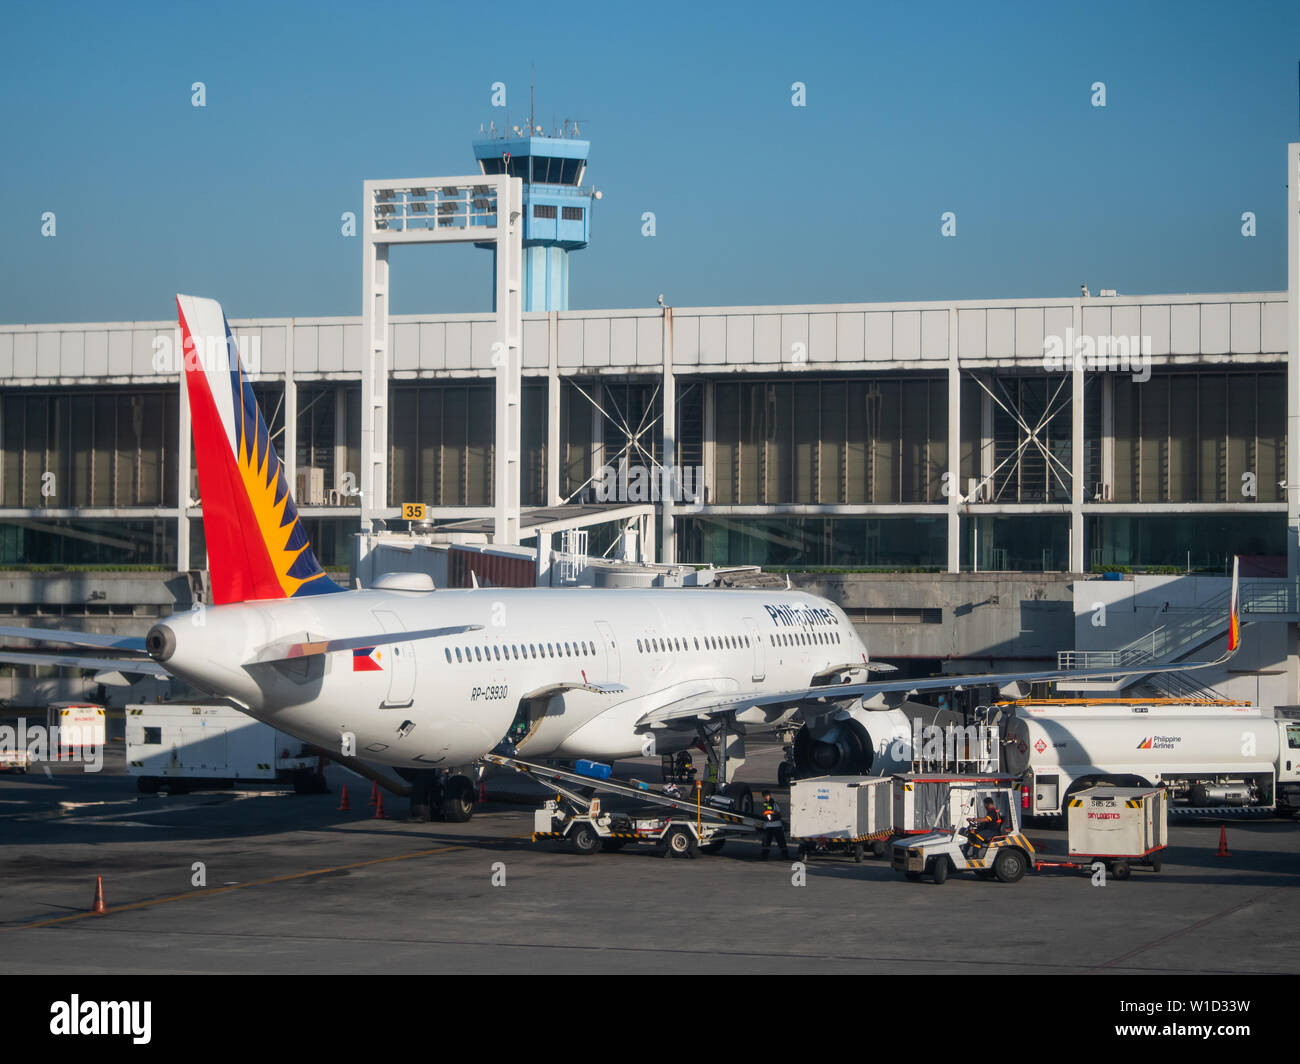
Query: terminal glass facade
pixel 812 542
pixel 856 440
pixel 1200 437
pixel 106 448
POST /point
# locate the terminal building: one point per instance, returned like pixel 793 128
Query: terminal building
pixel 903 457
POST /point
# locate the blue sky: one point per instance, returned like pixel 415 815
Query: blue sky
pixel 912 110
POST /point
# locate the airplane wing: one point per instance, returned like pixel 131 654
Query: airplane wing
pixel 828 696
pixel 575 685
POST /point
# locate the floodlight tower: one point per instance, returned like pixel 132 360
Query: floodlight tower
pixel 557 209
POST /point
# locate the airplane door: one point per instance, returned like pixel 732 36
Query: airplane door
pixel 760 653
pixel 398 660
pixel 613 662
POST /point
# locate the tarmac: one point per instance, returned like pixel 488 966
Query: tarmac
pixel 262 880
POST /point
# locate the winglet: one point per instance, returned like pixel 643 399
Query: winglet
pixel 1234 617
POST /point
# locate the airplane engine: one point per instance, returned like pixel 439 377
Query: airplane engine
pixel 854 742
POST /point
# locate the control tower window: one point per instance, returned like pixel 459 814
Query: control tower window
pixel 546 210
pixel 571 214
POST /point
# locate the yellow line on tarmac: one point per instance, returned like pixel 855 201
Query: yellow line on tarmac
pixel 236 886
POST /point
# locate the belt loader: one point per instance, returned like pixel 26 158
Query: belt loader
pixel 682 827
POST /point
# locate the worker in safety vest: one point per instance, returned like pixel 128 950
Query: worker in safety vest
pixel 987 827
pixel 711 777
pixel 773 827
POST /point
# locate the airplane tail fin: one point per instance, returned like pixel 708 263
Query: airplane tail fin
pixel 1234 616
pixel 257 546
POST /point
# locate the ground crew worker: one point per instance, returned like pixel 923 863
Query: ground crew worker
pixel 773 827
pixel 987 827
pixel 685 767
pixel 711 778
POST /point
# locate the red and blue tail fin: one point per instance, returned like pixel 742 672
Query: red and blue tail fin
pixel 257 547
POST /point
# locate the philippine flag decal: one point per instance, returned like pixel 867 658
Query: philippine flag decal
pixel 367 659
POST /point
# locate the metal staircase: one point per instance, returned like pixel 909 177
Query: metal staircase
pixel 1174 641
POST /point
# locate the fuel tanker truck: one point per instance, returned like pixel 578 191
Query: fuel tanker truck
pixel 1216 758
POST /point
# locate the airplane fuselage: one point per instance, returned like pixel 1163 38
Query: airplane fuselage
pixel 448 700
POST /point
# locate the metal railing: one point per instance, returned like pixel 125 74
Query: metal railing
pixel 1199 625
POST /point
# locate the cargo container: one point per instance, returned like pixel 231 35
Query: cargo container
pixel 841 814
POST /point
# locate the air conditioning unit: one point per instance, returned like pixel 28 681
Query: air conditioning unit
pixel 309 486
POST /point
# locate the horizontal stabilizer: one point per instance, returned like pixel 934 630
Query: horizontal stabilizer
pixel 130 666
pixel 72 638
pixel 306 647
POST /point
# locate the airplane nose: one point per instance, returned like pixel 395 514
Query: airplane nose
pixel 160 643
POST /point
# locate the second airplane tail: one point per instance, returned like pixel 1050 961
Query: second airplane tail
pixel 257 546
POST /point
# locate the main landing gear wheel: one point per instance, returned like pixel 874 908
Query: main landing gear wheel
pixel 741 797
pixel 1009 866
pixel 458 801
pixel 584 840
pixel 679 842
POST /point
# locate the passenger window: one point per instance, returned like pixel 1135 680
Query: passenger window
pixel 448 653
pixel 478 654
pixel 458 653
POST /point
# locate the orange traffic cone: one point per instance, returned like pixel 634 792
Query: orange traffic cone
pixel 1223 842
pixel 343 803
pixel 374 792
pixel 99 908
pixel 379 805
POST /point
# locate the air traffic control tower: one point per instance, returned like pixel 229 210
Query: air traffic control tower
pixel 557 209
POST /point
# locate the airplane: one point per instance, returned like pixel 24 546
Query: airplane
pixel 428 681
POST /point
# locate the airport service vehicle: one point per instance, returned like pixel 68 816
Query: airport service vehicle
pixel 1118 827
pixel 1216 758
pixel 80 725
pixel 842 815
pixel 1006 857
pixel 430 681
pixel 924 802
pixel 181 746
pixel 683 825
